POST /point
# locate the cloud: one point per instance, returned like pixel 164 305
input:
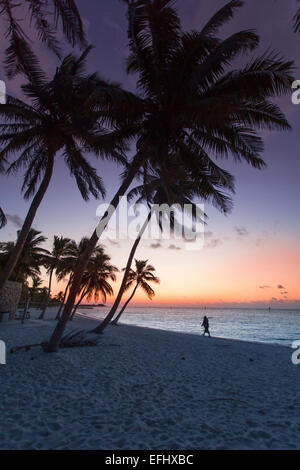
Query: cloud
pixel 15 219
pixel 208 234
pixel 274 299
pixel 280 286
pixel 113 242
pixel 265 287
pixel 213 243
pixel 241 231
pixel 174 247
pixel 155 246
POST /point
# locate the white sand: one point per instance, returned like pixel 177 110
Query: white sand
pixel 135 391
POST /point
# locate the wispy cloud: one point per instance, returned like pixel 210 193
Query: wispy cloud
pixel 265 287
pixel 213 243
pixel 155 246
pixel 174 247
pixel 113 242
pixel 280 286
pixel 15 219
pixel 241 231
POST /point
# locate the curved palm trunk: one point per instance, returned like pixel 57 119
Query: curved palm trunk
pixel 53 344
pixel 63 302
pixel 125 305
pixel 13 259
pixel 77 305
pixel 41 317
pixel 115 306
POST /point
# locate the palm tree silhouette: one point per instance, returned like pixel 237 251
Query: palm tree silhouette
pixel 195 104
pixel 59 297
pixel 31 258
pixel 95 280
pixel 61 248
pixel 49 128
pixel 172 184
pixel 67 266
pixel 44 18
pixel 141 276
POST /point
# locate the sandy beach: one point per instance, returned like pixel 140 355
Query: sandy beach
pixel 147 389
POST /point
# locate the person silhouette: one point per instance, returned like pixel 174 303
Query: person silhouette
pixel 205 325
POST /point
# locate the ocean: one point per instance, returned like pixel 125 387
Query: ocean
pixel 264 326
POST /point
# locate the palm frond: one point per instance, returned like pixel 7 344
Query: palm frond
pixel 3 220
pixel 221 17
pixel 297 22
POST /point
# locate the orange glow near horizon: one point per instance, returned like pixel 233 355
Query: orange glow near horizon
pixel 228 274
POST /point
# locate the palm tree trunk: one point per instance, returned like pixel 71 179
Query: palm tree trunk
pixel 26 307
pixel 115 306
pixel 13 259
pixel 63 302
pixel 77 305
pixel 41 317
pixel 125 305
pixel 53 344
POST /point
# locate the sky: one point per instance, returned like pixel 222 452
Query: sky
pixel 251 257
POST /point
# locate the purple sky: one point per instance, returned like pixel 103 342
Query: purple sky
pixel 266 206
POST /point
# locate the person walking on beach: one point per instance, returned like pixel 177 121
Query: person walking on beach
pixel 205 325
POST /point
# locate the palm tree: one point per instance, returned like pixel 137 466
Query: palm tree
pixel 51 127
pixel 67 266
pixel 171 184
pixel 60 249
pixel 59 297
pixel 195 105
pixel 95 280
pixel 30 260
pixel 142 275
pixel 44 16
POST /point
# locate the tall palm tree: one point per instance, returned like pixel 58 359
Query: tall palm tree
pixel 196 105
pixel 141 276
pixel 35 288
pixel 95 280
pixel 67 265
pixel 44 18
pixel 171 184
pixel 30 260
pixel 60 249
pixel 50 128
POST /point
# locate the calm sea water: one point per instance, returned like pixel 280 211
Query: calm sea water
pixel 276 326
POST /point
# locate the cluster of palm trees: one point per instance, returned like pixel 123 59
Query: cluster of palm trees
pixel 191 108
pixel 61 261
